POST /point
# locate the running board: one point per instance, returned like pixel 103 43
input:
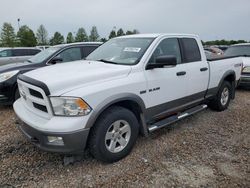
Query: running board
pixel 175 118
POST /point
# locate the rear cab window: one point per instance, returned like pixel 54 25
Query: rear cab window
pixel 190 50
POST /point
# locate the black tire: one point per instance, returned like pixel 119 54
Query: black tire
pixel 217 103
pixel 97 138
pixel 17 95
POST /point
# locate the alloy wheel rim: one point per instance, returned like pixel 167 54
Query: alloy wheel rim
pixel 118 135
pixel 224 96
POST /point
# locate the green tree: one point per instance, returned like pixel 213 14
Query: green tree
pixel 120 32
pixel 42 35
pixel 26 37
pixel 135 31
pixel 103 40
pixel 70 38
pixel 81 35
pixel 94 36
pixel 7 36
pixel 112 34
pixel 129 32
pixel 57 39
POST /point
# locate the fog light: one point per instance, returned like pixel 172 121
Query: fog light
pixel 55 140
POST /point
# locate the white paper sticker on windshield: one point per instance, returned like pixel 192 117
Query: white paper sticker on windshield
pixel 132 49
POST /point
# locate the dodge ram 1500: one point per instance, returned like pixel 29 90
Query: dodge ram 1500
pixel 129 85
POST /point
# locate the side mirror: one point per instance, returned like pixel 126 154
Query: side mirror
pixel 163 61
pixel 55 60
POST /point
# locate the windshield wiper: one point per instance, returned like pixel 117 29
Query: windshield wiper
pixel 106 61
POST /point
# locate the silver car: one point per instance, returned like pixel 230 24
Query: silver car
pixel 14 55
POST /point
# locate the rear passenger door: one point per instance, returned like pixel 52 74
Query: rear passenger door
pixel 20 55
pixel 196 67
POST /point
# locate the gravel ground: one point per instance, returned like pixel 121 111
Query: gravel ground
pixel 209 149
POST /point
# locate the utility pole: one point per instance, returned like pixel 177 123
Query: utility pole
pixel 18 21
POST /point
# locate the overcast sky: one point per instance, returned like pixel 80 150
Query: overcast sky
pixel 211 19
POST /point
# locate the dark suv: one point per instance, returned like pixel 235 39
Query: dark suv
pixel 53 55
pixel 13 55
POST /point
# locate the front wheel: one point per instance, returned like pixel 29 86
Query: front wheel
pixel 114 134
pixel 223 97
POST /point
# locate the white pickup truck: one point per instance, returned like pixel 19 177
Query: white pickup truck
pixel 129 85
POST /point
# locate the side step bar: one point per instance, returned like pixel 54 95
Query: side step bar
pixel 175 118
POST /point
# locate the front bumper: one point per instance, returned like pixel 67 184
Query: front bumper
pixel 73 142
pixel 37 129
pixel 245 81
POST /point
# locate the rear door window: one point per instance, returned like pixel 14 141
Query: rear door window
pixel 34 51
pixel 191 51
pixel 19 52
pixel 71 54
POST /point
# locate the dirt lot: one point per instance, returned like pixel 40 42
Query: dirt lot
pixel 209 149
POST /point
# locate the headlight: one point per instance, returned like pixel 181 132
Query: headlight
pixel 69 106
pixel 246 70
pixel 7 75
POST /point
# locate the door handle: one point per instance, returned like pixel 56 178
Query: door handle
pixel 182 73
pixel 203 69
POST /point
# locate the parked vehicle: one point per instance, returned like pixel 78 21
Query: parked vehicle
pixel 216 51
pixel 56 54
pixel 131 84
pixel 43 47
pixel 13 55
pixel 242 50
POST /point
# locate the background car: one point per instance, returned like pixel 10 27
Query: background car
pixel 242 50
pixel 53 55
pixel 13 55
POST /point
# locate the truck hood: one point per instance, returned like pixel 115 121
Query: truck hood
pixel 246 61
pixel 62 78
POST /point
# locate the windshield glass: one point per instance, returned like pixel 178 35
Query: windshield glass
pixel 43 55
pixel 125 51
pixel 238 51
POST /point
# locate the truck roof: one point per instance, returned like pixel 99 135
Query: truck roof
pixel 155 35
pixel 79 43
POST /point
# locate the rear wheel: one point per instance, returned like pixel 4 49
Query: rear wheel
pixel 223 97
pixel 114 134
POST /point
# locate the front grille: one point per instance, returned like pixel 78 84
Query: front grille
pixel 40 107
pixel 35 93
pixel 35 99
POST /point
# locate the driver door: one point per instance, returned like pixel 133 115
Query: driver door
pixel 167 86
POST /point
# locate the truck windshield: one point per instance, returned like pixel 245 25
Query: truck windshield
pixel 124 51
pixel 43 55
pixel 243 50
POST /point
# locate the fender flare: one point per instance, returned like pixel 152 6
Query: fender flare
pixel 228 73
pixel 115 99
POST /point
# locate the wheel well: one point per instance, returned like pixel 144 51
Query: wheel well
pixel 231 79
pixel 133 107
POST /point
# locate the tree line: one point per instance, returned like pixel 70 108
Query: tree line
pixel 224 42
pixel 26 36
